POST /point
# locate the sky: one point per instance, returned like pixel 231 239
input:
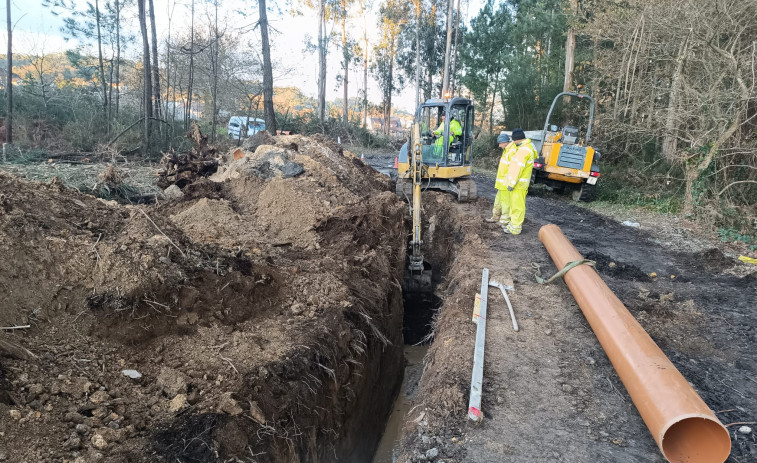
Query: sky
pixel 37 30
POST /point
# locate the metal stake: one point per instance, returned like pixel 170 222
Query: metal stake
pixel 474 406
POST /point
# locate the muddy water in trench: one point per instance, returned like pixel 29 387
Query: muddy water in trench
pixel 413 369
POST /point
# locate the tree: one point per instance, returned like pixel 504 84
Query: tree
pixel 101 26
pixel 418 6
pixel 392 17
pixel 678 80
pixel 268 112
pixel 486 56
pixel 190 50
pixel 146 78
pixel 322 47
pixel 570 49
pixel 536 70
pixel 445 85
pixel 155 67
pixel 9 82
pixel 348 55
pixel 100 60
pixel 453 72
pixel 365 7
pixel 214 65
pixel 420 54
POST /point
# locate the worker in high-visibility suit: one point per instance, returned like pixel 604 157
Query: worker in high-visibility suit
pixel 516 180
pixel 506 145
pixel 455 130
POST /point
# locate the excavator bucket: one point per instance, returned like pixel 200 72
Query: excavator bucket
pixel 418 281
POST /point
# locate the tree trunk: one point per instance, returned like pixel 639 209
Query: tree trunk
pixel 418 6
pixel 9 83
pixel 214 65
pixel 445 81
pixel 268 111
pixel 190 83
pixel 453 72
pixel 322 61
pixel 147 90
pixel 118 54
pixel 102 67
pixel 570 49
pixel 111 69
pixel 155 68
pixel 346 57
pixel 494 98
pixel 365 81
pixel 388 97
pixel 670 141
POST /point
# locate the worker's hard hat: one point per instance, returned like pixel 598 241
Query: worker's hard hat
pixel 503 138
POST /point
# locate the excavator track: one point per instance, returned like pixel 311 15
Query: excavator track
pixel 404 189
pixel 467 191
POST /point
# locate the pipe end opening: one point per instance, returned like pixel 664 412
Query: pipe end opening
pixel 696 440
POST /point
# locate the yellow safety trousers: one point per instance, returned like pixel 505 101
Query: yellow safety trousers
pixel 510 207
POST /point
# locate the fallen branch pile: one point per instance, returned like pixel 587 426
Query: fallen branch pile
pixel 181 169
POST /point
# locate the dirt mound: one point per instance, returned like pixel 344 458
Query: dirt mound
pixel 211 221
pixel 266 162
pixel 255 315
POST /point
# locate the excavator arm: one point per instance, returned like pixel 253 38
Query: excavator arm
pixel 419 271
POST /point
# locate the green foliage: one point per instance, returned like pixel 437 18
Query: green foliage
pixel 433 36
pixel 487 52
pixel 516 52
pixel 728 235
pixel 485 146
pixel 535 70
pixel 631 184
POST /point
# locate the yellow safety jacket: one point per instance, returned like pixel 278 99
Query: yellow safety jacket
pixel 520 165
pixel 455 130
pixel 504 162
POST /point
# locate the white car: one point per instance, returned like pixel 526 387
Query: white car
pixel 237 122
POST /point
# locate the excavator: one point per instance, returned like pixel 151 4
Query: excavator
pixel 436 156
pixel 445 148
pixel 566 162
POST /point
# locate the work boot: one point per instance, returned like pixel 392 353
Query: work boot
pixel 506 229
pixel 493 219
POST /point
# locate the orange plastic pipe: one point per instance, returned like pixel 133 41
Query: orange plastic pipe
pixel 684 427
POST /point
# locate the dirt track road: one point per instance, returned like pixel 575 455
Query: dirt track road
pixel 550 393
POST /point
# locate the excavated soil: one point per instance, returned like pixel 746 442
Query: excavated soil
pixel 261 316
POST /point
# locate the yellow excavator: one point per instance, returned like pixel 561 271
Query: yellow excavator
pixel 418 275
pixel 445 140
pixel 438 156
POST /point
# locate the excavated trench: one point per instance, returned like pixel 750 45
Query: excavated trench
pixel 419 311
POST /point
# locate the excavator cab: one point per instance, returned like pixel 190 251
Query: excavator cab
pixel 446 139
pixel 566 160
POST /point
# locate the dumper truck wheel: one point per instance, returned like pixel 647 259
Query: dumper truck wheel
pixel 586 193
